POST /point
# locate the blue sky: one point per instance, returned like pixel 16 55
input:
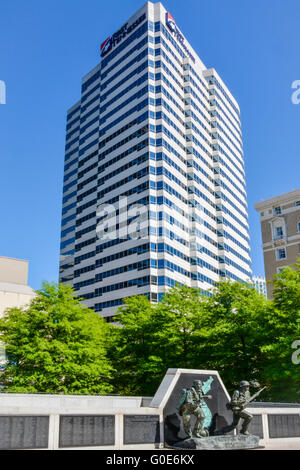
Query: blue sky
pixel 47 46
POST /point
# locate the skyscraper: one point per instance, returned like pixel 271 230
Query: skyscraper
pixel 154 181
pixel 260 285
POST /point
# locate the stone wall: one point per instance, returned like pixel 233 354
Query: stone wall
pixel 41 421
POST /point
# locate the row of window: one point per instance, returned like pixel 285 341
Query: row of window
pixel 70 124
pixel 218 170
pixel 215 114
pixel 70 134
pixel 223 208
pixel 220 204
pixel 216 94
pixel 89 81
pixel 213 81
pixel 228 118
pixel 92 111
pixel 130 87
pixel 137 95
pixel 138 133
pixel 124 80
pixel 136 161
pixel 87 105
pixel 126 42
pixel 88 135
pixel 218 158
pixel 217 125
pixel 219 148
pixel 89 93
pixel 153 296
pixel 217 136
pixel 169 189
pixel 136 58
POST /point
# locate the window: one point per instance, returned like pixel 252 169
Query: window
pixel 278 233
pixel 281 254
pixel 297 203
pixel 277 210
pixel 298 226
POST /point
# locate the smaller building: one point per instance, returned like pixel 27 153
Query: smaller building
pixel 280 227
pixel 14 290
pixel 260 285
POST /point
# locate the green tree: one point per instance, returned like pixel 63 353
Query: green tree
pixel 151 338
pixel 283 321
pixel 178 318
pixel 132 350
pixel 189 330
pixel 56 345
pixel 234 333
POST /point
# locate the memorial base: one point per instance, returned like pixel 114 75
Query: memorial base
pixel 219 442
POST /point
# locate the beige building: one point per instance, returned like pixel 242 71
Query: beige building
pixel 280 227
pixel 14 291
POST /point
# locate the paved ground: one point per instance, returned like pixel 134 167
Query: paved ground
pixel 277 445
pixel 282 445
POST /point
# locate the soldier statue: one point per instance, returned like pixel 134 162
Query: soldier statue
pixel 240 399
pixel 191 404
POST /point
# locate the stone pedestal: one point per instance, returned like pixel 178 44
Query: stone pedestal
pixel 219 442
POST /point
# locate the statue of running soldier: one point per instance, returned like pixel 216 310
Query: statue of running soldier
pixel 191 404
pixel 240 399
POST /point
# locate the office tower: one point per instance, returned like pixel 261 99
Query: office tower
pixel 280 228
pixel 154 180
pixel 260 285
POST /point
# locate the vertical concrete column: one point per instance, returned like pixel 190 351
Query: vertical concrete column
pixel 162 430
pixel 119 427
pixel 265 424
pixel 53 432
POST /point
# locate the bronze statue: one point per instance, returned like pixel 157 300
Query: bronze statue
pixel 240 399
pixel 191 404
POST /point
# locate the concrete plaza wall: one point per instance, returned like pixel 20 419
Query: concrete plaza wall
pixel 42 421
pixel 81 421
pixel 38 421
pixel 280 422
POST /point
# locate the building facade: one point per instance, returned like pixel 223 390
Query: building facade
pixel 154 180
pixel 14 291
pixel 280 228
pixel 260 285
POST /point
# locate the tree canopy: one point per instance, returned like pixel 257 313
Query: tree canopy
pixel 284 331
pixel 236 331
pixel 56 345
